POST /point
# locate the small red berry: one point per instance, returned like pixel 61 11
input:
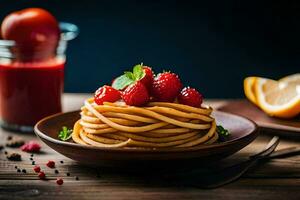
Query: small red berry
pixel 59 181
pixel 31 146
pixel 166 87
pixel 106 94
pixel 136 94
pixel 50 164
pixel 147 80
pixel 190 96
pixel 37 169
pixel 42 175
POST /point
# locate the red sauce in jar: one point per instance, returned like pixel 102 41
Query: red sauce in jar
pixel 30 91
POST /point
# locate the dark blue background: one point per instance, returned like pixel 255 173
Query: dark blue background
pixel 213 45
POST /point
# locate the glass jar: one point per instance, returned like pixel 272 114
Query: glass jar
pixel 30 91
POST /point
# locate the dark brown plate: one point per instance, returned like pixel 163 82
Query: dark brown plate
pixel 282 127
pixel 243 131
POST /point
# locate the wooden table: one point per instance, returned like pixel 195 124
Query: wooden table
pixel 276 179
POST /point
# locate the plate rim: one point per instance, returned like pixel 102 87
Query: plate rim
pixel 252 134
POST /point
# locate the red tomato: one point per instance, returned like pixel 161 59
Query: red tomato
pixel 35 31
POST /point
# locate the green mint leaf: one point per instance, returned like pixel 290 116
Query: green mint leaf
pixel 130 75
pixel 223 133
pixel 69 134
pixel 138 72
pixel 122 81
pixel 61 135
pixel 65 133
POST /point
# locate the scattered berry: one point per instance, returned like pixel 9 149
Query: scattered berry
pixel 5 152
pixel 190 96
pixel 68 174
pixel 14 157
pixel 18 170
pixel 50 164
pixel 37 169
pixel 16 167
pixel 147 80
pixel 42 175
pixel 77 178
pixel 136 94
pixel 30 158
pixel 166 86
pixel 59 181
pixel 31 155
pixel 1 147
pixel 56 171
pixel 31 146
pixel 24 171
pixel 106 94
pixel 33 162
pixel 61 162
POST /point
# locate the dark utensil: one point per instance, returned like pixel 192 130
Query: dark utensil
pixel 290 151
pixel 215 178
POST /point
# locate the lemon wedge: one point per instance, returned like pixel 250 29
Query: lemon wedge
pixel 277 98
pixel 249 88
pixel 294 79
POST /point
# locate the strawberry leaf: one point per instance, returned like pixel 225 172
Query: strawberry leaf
pixel 122 81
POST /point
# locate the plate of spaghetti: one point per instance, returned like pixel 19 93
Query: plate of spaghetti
pixel 146 119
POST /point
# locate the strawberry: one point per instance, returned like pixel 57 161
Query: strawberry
pixel 190 96
pixel 106 93
pixel 136 94
pixel 166 86
pixel 147 80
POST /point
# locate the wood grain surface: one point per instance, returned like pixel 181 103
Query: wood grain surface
pixel 275 179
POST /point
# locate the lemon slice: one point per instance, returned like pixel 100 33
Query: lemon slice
pixel 249 88
pixel 294 79
pixel 277 98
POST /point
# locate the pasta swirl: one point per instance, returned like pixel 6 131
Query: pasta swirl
pixel 157 125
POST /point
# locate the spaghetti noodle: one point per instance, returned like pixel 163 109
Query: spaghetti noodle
pixel 157 125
